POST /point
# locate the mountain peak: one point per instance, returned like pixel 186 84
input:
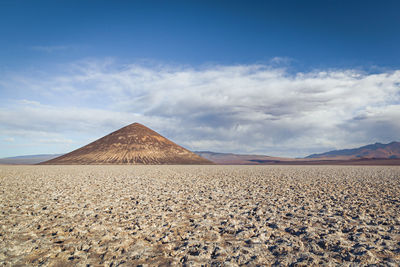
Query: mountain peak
pixel 133 126
pixel 132 144
pixel 137 124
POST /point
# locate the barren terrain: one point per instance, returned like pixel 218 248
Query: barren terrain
pixel 221 215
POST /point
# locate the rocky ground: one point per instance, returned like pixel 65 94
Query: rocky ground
pixel 193 215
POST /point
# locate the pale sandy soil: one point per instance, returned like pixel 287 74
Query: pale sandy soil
pixel 213 215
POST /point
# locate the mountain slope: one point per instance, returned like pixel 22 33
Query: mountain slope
pixel 377 150
pixel 133 144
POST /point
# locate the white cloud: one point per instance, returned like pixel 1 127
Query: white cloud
pixel 49 48
pixel 29 102
pixel 241 108
pixel 56 141
pixel 281 60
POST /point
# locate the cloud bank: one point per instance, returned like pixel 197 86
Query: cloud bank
pixel 240 108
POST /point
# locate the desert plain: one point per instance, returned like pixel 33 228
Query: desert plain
pixel 199 215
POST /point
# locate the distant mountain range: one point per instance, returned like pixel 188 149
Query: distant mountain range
pixel 374 154
pixel 373 151
pixel 29 159
pixel 377 154
pixel 239 159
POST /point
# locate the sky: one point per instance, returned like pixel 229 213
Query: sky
pixel 280 78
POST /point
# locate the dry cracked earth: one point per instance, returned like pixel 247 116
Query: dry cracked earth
pixel 199 215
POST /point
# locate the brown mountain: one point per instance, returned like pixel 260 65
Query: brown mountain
pixel 373 151
pixel 133 144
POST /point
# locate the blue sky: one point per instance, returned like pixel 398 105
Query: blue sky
pixel 284 78
pixel 314 33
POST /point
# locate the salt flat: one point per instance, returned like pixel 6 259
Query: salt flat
pixel 221 215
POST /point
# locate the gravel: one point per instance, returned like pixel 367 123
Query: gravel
pixel 193 215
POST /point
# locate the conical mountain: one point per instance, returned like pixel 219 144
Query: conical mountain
pixel 133 144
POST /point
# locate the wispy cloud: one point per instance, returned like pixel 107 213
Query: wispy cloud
pixel 281 60
pixel 29 102
pixel 49 48
pixel 56 141
pixel 241 108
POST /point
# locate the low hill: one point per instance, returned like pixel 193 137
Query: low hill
pixel 29 159
pixel 239 159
